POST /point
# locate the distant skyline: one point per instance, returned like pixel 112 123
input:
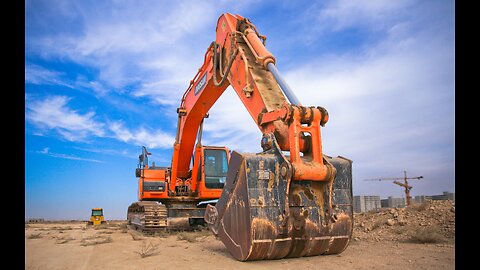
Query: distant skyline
pixel 403 195
pixel 103 78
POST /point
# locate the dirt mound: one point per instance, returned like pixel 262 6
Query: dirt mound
pixel 428 222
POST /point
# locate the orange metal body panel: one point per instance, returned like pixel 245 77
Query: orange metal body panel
pixel 312 166
pixel 151 175
pixel 154 174
pixel 196 106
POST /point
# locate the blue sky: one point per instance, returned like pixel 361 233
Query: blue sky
pixel 103 78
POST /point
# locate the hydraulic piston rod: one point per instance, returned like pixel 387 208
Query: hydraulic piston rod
pixel 283 84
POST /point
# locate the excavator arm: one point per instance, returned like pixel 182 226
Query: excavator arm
pixel 290 200
pixel 239 58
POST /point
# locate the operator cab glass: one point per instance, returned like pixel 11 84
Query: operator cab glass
pixel 216 167
pixel 97 212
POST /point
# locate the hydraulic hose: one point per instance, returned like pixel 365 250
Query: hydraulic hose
pixel 215 64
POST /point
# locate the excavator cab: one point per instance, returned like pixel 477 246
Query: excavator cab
pixel 216 167
pixel 211 170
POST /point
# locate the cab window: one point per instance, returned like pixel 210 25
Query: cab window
pixel 216 167
pixel 97 212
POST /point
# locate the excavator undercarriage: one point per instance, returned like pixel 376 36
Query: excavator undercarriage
pixel 147 216
pixel 151 217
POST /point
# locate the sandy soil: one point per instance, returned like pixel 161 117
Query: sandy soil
pixel 77 246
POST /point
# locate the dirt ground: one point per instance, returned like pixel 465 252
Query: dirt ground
pixel 74 245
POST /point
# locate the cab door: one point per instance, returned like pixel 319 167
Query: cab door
pixel 214 169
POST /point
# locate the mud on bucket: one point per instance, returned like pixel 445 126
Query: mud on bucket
pixel 262 214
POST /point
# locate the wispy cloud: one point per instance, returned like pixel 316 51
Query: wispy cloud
pixel 118 43
pixel 113 152
pixel 39 75
pixel 141 136
pixel 97 87
pixel 162 92
pixel 54 113
pixel 46 151
pixel 142 49
pixel 36 74
pixel 340 14
pixel 231 125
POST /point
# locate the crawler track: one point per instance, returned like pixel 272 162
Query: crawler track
pixel 148 217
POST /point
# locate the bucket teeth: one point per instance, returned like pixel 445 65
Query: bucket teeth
pixel 262 214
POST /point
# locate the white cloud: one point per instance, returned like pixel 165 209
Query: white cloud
pixel 53 113
pixel 35 74
pixel 97 87
pixel 143 49
pixel 46 151
pixel 113 152
pixel 124 29
pixel 121 38
pixel 142 136
pixel 162 92
pixel 342 14
pixel 229 124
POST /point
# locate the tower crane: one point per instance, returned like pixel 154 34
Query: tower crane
pixel 404 184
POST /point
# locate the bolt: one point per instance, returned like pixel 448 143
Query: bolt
pixel 266 143
pixel 283 171
pixel 334 218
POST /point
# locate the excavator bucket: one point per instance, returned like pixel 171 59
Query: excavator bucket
pixel 262 214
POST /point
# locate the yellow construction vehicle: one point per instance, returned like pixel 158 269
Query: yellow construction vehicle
pixel 97 217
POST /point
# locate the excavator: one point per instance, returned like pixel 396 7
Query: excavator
pixel 289 199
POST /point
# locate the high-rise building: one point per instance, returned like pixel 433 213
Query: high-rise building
pixel 422 198
pixel 365 203
pixel 393 202
pixel 445 196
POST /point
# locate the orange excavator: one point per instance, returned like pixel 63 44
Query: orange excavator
pixel 289 199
